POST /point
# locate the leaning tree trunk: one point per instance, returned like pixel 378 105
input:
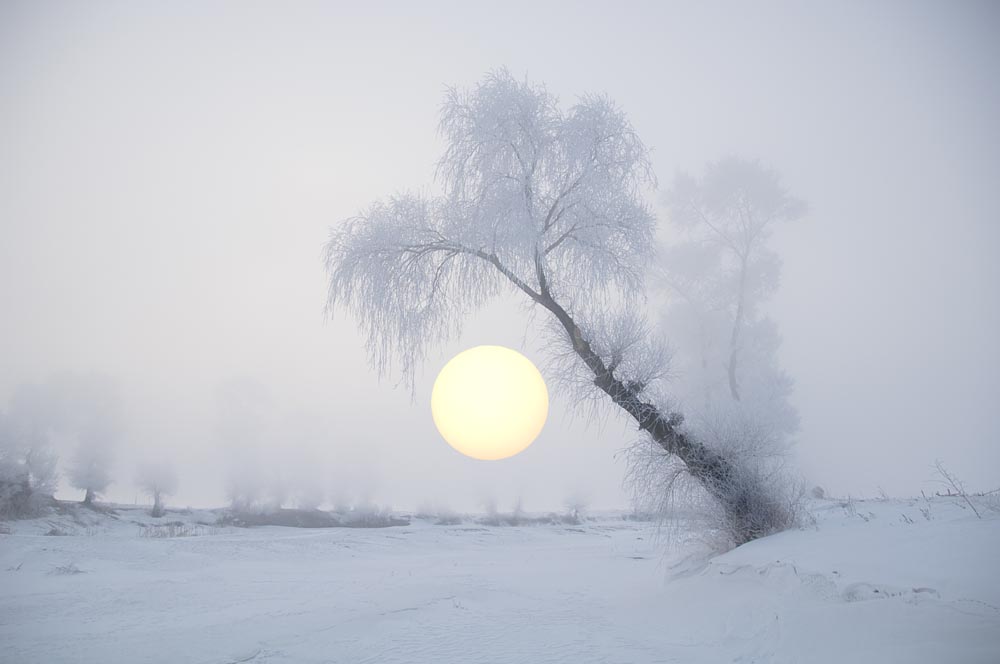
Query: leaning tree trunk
pixel 744 499
pixel 751 508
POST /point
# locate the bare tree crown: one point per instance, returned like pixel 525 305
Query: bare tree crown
pixel 530 196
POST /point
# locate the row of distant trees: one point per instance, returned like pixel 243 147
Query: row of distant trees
pixel 67 425
pixel 66 429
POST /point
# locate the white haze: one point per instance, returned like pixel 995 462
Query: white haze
pixel 169 173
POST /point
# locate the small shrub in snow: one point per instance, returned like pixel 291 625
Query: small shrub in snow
pixel 576 507
pixel 637 514
pixel 520 518
pixel 290 518
pixel 448 519
pixel 178 529
pixel 991 499
pixel 955 486
pixel 925 511
pixel 440 516
pixel 371 516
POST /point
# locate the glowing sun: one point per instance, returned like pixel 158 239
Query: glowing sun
pixel 489 402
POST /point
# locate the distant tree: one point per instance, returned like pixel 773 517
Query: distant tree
pixel 90 470
pixel 276 491
pixel 15 487
pixel 307 438
pixel 27 468
pixel 309 496
pixel 547 203
pixel 244 423
pixel 159 480
pixel 27 439
pixel 97 432
pixel 340 500
pixel 576 505
pixel 718 276
pixel 244 493
pixel 308 480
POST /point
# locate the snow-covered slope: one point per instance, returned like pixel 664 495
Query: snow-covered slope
pixel 876 581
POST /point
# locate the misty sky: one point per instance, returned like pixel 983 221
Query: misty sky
pixel 169 173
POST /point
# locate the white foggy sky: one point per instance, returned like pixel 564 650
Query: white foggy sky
pixel 169 173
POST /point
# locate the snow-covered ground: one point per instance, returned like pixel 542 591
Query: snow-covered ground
pixel 873 581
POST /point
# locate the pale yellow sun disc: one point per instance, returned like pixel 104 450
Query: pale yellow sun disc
pixel 489 402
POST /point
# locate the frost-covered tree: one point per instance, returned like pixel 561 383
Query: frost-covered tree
pixel 306 438
pixel 244 423
pixel 309 495
pixel 549 203
pixel 159 480
pixel 90 469
pixel 576 505
pixel 725 270
pixel 718 277
pixel 27 440
pixel 28 475
pixel 89 411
